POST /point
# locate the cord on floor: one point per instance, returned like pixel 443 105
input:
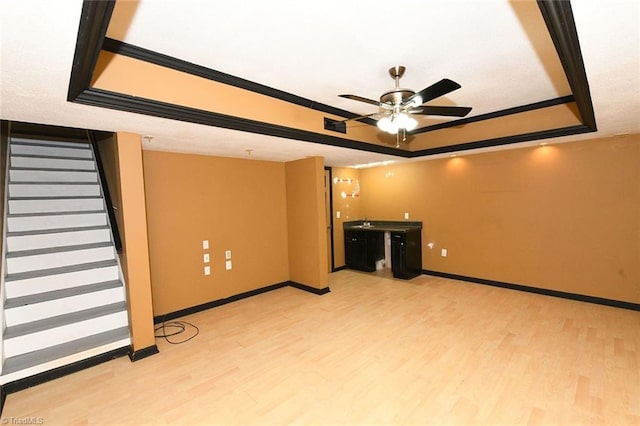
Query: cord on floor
pixel 175 328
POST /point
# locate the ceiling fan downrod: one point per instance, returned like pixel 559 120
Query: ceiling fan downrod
pixel 396 73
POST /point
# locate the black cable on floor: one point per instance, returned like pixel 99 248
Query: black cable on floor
pixel 174 328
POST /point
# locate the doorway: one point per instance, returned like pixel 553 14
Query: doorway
pixel 328 198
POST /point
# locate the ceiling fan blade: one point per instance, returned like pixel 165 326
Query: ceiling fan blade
pixel 438 89
pixel 449 111
pixel 361 99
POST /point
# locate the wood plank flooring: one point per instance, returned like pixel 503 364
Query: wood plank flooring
pixel 373 351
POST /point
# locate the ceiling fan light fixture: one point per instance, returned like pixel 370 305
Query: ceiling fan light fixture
pixel 405 121
pixel 386 124
pixel 397 106
pixel 416 101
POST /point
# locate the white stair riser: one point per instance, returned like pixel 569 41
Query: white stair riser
pixel 52 163
pixel 67 360
pixel 51 176
pixel 53 190
pixel 55 336
pixel 36 223
pixel 55 205
pixel 38 311
pixel 29 286
pixel 49 143
pixel 58 239
pixel 16 265
pixel 50 151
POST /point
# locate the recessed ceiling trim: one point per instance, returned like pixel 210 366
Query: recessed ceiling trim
pixel 94 20
pixel 119 101
pixel 488 143
pixel 497 114
pixel 136 52
pixel 558 16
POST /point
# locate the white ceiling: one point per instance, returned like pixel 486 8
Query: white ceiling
pixel 318 50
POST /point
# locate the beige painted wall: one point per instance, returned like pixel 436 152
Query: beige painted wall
pixel 108 147
pixel 133 228
pixel 236 204
pixel 306 222
pixel 349 208
pixel 564 217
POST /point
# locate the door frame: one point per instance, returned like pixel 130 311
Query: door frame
pixel 330 207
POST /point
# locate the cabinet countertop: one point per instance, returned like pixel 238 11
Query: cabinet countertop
pixel 382 226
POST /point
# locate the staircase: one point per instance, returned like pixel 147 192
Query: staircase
pixel 64 298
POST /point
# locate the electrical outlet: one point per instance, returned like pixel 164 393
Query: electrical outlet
pixel 227 254
pixel 337 215
pixel 207 270
pixel 227 265
pixel 443 252
pixel 205 258
pixel 406 215
pixel 205 244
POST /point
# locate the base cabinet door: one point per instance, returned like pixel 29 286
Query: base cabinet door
pixel 362 249
pixel 355 250
pixel 406 254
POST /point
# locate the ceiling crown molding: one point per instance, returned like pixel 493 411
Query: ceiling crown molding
pixel 96 15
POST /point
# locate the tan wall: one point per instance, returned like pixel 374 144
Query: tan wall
pixel 135 252
pixel 349 208
pixel 306 222
pixel 108 147
pixel 236 204
pixel 564 217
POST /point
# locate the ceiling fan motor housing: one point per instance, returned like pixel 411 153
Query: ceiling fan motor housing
pixel 396 96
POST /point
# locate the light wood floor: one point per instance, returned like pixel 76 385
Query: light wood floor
pixel 373 351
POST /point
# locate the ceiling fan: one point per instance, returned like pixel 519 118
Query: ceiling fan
pixel 398 105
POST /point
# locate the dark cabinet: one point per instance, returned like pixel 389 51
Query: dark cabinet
pixel 362 249
pixel 406 254
pixel 364 245
pixel 355 250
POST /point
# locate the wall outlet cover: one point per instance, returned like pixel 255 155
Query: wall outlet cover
pixel 205 244
pixel 227 254
pixel 205 258
pixel 207 270
pixel 227 265
pixel 406 215
pixel 444 252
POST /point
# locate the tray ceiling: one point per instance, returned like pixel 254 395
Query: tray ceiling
pixel 500 52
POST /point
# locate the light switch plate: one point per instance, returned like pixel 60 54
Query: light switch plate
pixel 406 215
pixel 227 254
pixel 205 244
pixel 227 265
pixel 207 270
pixel 205 258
